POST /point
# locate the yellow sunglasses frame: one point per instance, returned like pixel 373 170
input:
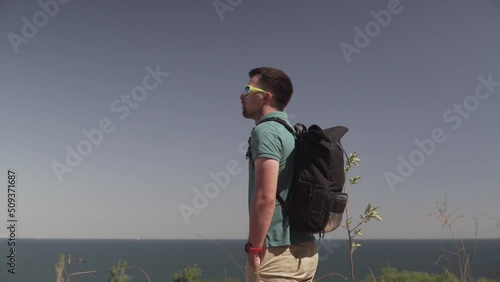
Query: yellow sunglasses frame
pixel 255 89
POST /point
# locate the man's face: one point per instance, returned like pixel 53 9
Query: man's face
pixel 253 102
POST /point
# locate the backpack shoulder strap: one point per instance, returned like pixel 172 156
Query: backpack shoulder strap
pixel 284 123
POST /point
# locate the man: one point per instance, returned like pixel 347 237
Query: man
pixel 275 251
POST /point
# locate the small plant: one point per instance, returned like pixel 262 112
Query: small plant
pixel 188 274
pixel 459 260
pixel 354 230
pixel 389 274
pixel 117 272
pixel 142 270
pixel 60 268
pixel 222 280
pixel 193 274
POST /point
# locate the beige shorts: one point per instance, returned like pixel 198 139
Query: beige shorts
pixel 286 263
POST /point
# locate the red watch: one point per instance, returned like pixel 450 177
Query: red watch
pixel 252 250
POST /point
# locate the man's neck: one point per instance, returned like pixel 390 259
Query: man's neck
pixel 265 112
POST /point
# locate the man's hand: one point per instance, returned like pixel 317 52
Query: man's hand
pixel 254 261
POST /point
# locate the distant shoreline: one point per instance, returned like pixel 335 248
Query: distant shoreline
pixel 179 239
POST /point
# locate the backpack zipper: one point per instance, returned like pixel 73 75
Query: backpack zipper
pixel 308 204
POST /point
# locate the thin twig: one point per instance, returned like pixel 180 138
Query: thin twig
pixel 373 275
pixel 331 274
pixel 136 267
pixel 241 267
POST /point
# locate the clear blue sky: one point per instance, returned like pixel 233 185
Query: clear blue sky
pixel 399 87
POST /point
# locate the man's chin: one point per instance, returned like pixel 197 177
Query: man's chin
pixel 245 114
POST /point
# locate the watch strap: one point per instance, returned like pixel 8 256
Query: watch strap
pixel 249 249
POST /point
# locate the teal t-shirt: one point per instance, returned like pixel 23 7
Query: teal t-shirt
pixel 272 140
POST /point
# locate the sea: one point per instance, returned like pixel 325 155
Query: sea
pixel 35 259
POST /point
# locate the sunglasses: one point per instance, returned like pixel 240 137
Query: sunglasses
pixel 249 89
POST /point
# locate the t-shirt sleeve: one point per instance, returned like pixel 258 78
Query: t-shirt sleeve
pixel 266 143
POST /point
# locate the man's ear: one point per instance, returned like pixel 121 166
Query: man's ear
pixel 268 96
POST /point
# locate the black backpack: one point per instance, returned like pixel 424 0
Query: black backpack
pixel 316 202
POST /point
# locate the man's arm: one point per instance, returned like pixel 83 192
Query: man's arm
pixel 263 204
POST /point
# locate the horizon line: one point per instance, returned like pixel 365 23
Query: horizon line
pixel 234 239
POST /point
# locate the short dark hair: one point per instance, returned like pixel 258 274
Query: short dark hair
pixel 277 82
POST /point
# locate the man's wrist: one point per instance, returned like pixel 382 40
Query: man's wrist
pixel 250 249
